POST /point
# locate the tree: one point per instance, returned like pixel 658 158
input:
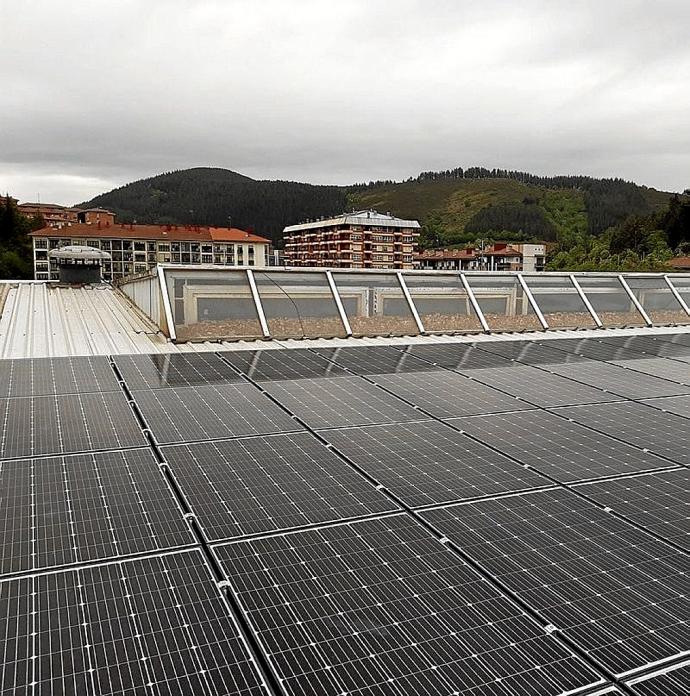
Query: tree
pixel 15 244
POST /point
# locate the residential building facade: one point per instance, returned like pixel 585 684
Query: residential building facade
pixel 363 239
pixel 137 248
pixel 500 256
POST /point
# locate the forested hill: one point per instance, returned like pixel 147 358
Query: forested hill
pixel 220 197
pixel 453 205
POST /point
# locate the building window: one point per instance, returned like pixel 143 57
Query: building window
pixel 41 243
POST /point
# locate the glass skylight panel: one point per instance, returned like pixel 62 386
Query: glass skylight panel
pixel 442 303
pixel 610 301
pixel 375 304
pixel 298 305
pixel 559 301
pixel 657 300
pixel 503 302
pixel 212 304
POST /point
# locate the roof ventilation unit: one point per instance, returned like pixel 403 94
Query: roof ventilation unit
pixel 79 264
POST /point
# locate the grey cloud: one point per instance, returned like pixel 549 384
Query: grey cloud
pixel 341 92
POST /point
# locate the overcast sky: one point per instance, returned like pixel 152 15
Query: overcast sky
pixel 96 94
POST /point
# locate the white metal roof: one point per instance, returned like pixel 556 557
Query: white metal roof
pixel 360 217
pixel 40 319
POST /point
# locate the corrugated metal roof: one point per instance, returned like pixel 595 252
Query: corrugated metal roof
pixel 44 320
pixel 41 319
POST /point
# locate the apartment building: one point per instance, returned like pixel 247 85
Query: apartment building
pixel 362 239
pixel 500 256
pixel 137 248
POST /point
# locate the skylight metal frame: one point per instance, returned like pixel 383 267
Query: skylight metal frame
pixel 635 301
pixel 167 307
pixel 475 305
pixel 339 304
pixel 677 295
pixel 585 300
pixel 257 303
pixel 532 301
pixel 410 302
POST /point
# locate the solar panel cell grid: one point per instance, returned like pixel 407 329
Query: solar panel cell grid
pixel 375 359
pixel 445 394
pixel 327 403
pixel 429 463
pixel 182 414
pixel 380 606
pixel 267 365
pixel 669 683
pixel 65 424
pixel 254 485
pixel 595 349
pixel 645 344
pixel 154 625
pixel 554 446
pixel 456 355
pixel 679 405
pixel 174 370
pixel 531 352
pixel 46 376
pixel 85 507
pixel 659 367
pixel 614 590
pixel 638 424
pixel 660 502
pixel 539 387
pixel 619 381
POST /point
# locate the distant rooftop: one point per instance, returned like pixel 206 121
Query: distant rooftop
pixel 192 233
pixel 359 217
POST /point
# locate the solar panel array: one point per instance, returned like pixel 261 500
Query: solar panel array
pixel 502 519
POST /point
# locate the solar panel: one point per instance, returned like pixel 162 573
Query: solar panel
pixel 619 381
pixel 663 349
pixel 659 367
pixel 375 359
pixel 539 387
pixel 32 426
pixel 331 403
pixel 531 352
pixel 595 349
pixel 296 363
pixel 381 607
pixel 638 424
pixel 660 502
pixel 446 394
pixel 429 463
pixel 152 625
pixel 463 356
pixel 679 405
pixel 610 588
pixel 185 414
pixel 46 376
pixel 174 370
pixel 253 485
pixel 85 507
pixel 554 446
pixel 682 339
pixel 665 683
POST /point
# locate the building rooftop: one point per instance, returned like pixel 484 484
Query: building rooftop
pixel 360 217
pixel 496 513
pixel 190 233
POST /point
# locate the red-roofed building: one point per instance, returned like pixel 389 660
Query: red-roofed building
pixel 500 256
pixel 136 248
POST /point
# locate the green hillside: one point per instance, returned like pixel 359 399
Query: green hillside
pixel 455 206
pixel 453 203
pixel 220 197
